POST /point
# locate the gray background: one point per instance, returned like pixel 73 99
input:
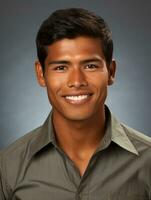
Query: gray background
pixel 24 105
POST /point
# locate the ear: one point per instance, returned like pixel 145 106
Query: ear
pixel 40 74
pixel 111 71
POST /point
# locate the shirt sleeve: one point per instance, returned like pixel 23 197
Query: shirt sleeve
pixel 2 195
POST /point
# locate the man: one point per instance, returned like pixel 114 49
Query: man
pixel 82 151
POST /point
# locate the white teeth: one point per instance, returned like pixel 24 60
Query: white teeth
pixel 77 98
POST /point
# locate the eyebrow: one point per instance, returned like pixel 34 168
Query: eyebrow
pixel 91 60
pixel 58 62
pixel 81 62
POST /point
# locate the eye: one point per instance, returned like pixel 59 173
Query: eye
pixel 60 68
pixel 91 67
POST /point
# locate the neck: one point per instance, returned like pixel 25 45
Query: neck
pixel 79 136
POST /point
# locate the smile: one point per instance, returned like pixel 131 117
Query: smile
pixel 77 98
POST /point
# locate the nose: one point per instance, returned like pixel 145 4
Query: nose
pixel 77 79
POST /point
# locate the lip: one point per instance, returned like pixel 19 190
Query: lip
pixel 77 94
pixel 77 101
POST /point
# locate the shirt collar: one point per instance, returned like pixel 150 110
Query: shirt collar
pixel 114 132
pixel 44 136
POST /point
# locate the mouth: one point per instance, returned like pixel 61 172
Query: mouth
pixel 77 99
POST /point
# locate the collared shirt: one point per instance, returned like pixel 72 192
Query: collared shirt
pixel 35 168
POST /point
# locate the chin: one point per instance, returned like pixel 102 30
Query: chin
pixel 78 116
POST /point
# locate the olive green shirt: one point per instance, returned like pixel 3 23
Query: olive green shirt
pixel 35 168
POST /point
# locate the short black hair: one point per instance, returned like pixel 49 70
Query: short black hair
pixel 71 23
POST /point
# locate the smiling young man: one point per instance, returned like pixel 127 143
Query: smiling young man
pixel 82 151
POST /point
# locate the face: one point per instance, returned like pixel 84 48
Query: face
pixel 76 77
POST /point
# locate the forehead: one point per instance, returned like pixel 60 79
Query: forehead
pixel 75 48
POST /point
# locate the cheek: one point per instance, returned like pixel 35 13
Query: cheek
pixel 99 81
pixel 54 85
pixel 100 84
pixel 55 79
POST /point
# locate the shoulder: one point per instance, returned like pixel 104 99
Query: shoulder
pixel 136 136
pixel 15 156
pixel 141 142
pixel 21 144
pixel 30 142
pixel 129 138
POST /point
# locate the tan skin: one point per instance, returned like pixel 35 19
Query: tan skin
pixel 76 77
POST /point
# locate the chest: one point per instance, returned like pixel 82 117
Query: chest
pixel 56 177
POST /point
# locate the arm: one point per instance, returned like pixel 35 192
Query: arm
pixel 2 186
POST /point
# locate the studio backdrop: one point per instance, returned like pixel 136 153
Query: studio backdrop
pixel 24 105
